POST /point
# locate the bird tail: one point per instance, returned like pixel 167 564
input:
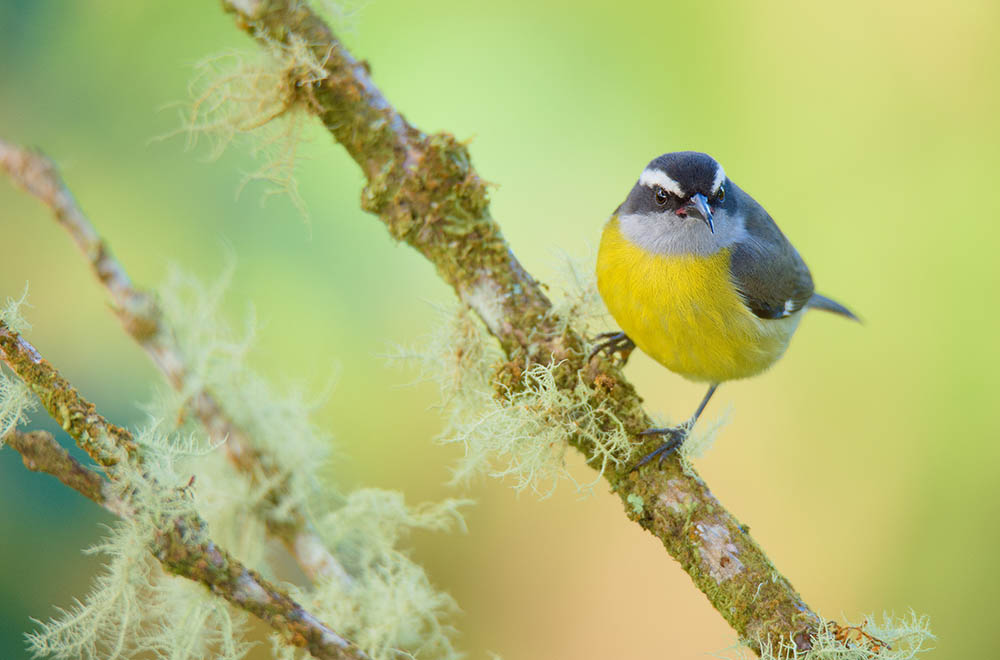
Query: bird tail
pixel 822 302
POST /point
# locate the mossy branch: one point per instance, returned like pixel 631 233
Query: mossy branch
pixel 41 453
pixel 425 190
pixel 180 542
pixel 141 316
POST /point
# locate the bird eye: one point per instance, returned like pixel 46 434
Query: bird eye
pixel 661 195
pixel 721 196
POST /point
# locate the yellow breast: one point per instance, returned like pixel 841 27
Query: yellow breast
pixel 685 313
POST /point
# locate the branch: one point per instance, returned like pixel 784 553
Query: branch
pixel 41 453
pixel 180 543
pixel 142 318
pixel 425 190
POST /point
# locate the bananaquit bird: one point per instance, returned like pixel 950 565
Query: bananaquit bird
pixel 700 278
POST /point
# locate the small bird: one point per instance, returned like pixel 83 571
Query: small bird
pixel 700 278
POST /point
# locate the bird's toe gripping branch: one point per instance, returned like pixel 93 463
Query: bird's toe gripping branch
pixel 676 435
pixel 611 343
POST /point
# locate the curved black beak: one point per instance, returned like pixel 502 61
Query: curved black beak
pixel 698 207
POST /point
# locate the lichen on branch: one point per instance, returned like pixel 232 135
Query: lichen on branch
pixel 159 509
pixel 269 436
pixel 512 421
pixel 263 98
pixel 181 356
pixel 16 401
pixel 427 193
pixel 134 607
pixel 386 601
pixel 891 638
pixel 392 604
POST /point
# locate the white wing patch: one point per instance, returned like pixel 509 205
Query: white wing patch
pixel 791 306
pixel 651 177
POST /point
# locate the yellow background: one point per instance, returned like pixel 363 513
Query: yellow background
pixel 865 462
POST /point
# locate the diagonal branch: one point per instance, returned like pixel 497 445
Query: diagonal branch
pixel 425 190
pixel 41 453
pixel 142 318
pixel 181 543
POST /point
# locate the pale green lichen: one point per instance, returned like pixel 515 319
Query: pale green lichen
pixel 199 624
pixel 388 602
pixel 524 434
pixel 389 608
pixel 368 526
pixel 16 400
pixel 135 608
pixel 637 503
pixel 521 432
pixel 459 357
pixel 265 96
pixel 894 638
pixel 577 305
pixel 576 302
pixel 701 439
pixel 108 622
pixel 215 357
pixel 10 314
pixel 391 605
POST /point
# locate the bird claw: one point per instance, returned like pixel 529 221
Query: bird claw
pixel 677 436
pixel 614 342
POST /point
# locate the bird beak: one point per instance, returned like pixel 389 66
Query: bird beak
pixel 698 207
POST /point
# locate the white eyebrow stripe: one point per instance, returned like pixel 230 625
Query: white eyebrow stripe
pixel 720 177
pixel 651 177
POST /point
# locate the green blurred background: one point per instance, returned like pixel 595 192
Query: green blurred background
pixel 865 462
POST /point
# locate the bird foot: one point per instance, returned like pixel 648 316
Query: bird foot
pixel 675 438
pixel 614 342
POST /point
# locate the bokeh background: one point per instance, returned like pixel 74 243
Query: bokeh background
pixel 865 462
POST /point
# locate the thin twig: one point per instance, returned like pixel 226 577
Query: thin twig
pixel 142 318
pixel 41 453
pixel 424 188
pixel 181 543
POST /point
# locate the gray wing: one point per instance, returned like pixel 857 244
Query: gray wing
pixel 766 270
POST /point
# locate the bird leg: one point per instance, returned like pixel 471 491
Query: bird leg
pixel 614 342
pixel 676 435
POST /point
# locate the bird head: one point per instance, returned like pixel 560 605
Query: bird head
pixel 681 205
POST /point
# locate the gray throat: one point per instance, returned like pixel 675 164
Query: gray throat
pixel 667 233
